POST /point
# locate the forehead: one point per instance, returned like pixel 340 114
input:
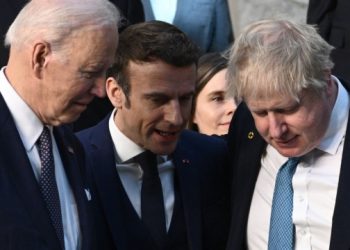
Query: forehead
pixel 217 82
pixel 92 44
pixel 273 101
pixel 159 75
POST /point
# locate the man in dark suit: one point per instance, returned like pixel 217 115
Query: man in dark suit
pixel 151 87
pixel 293 110
pixel 59 54
pixel 332 18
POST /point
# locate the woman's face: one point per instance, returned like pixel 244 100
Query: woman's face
pixel 214 109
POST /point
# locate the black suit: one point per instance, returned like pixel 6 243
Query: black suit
pixel 24 218
pixel 200 219
pixel 246 162
pixel 333 20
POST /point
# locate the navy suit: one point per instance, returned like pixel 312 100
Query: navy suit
pixel 24 219
pixel 248 146
pixel 199 162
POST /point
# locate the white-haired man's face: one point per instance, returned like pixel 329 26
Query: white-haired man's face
pixel 69 83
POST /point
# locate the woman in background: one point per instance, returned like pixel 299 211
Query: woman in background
pixel 213 106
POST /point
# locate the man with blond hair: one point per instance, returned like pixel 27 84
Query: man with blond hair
pixel 288 140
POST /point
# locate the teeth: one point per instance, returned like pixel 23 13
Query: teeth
pixel 165 133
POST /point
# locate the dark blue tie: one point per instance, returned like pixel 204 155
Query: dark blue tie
pixel 48 184
pixel 281 235
pixel 152 202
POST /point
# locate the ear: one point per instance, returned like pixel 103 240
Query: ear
pixel 330 83
pixel 115 93
pixel 40 57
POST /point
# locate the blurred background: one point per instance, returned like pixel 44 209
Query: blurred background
pixel 244 12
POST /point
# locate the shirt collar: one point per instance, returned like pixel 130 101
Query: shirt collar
pixel 338 121
pixel 124 147
pixel 28 124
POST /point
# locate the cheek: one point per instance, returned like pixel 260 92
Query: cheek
pixel 262 126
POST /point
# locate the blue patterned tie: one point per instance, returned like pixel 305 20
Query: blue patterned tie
pixel 281 235
pixel 48 186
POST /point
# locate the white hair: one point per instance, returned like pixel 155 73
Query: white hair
pixel 54 20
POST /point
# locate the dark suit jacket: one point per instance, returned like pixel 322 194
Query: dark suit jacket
pixel 199 162
pixel 24 219
pixel 245 161
pixel 333 19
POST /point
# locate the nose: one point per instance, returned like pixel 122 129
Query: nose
pixel 99 87
pixel 277 126
pixel 173 114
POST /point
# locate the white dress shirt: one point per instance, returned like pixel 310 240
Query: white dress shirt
pixel 131 173
pixel 30 127
pixel 164 10
pixel 315 185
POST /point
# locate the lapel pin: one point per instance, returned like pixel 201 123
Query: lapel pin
pixel 250 135
pixel 70 150
pixel 88 195
pixel 185 161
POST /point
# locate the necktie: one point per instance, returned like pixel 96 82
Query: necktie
pixel 47 181
pixel 152 203
pixel 281 235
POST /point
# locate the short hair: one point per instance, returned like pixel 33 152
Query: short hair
pixel 54 20
pixel 148 42
pixel 278 56
pixel 208 65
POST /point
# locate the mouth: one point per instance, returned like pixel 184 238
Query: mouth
pixel 286 143
pixel 167 135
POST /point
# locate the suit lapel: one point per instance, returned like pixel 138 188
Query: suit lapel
pixel 185 167
pixel 14 159
pixel 243 138
pixel 107 180
pixel 341 219
pixel 74 176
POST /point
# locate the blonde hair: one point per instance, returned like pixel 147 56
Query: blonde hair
pixel 279 57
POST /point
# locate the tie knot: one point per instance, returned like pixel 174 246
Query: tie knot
pixel 148 163
pixel 291 163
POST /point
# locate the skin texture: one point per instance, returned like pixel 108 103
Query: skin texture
pixel 214 109
pixel 293 128
pixel 64 82
pixel 160 104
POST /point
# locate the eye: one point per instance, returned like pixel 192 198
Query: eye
pixel 288 110
pixel 259 113
pixel 218 98
pixel 91 74
pixel 159 100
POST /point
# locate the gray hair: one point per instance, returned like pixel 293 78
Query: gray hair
pixel 278 57
pixel 55 20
